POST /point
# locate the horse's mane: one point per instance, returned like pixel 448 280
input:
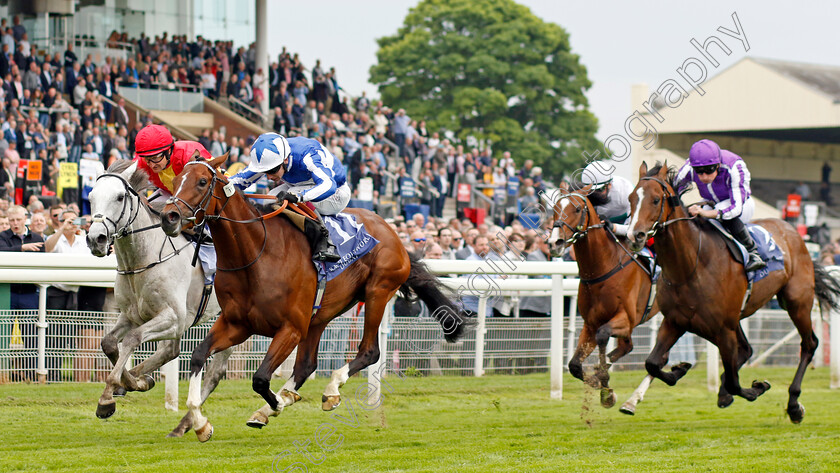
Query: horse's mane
pixel 139 180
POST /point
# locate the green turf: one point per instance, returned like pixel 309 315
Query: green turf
pixel 434 424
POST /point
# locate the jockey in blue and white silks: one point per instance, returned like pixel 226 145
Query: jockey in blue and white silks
pixel 305 172
pixel 722 177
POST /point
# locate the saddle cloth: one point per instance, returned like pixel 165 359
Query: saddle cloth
pixel 767 248
pixel 351 240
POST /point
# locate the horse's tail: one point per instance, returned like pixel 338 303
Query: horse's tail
pixel 429 289
pixel 826 287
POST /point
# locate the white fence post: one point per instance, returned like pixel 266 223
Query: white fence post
pixel 557 336
pixel 834 333
pixel 712 367
pixel 817 322
pixel 169 371
pixel 42 333
pixel 480 330
pixel 377 370
pixel 572 328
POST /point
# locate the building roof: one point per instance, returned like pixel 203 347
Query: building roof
pixel 823 78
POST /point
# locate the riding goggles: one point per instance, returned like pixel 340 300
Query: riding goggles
pixel 710 169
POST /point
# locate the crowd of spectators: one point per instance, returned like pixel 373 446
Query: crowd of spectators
pixel 60 107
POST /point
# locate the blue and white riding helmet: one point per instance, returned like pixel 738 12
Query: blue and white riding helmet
pixel 269 151
pixel 598 174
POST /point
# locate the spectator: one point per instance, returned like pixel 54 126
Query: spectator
pixel 418 243
pixel 18 238
pixel 531 306
pixel 434 251
pixel 38 222
pixel 468 249
pixel 445 240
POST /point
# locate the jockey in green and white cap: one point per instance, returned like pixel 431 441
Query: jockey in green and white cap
pixel 610 194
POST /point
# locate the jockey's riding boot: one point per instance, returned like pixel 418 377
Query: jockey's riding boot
pixel 738 230
pixel 322 248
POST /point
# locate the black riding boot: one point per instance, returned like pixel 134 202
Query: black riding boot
pixel 738 230
pixel 319 237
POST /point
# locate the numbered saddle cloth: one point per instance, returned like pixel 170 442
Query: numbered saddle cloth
pixel 767 249
pixel 350 239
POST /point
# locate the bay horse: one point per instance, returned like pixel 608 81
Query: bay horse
pixel 702 288
pixel 157 290
pixel 614 287
pixel 266 285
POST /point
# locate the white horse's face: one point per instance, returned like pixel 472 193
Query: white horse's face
pixel 110 210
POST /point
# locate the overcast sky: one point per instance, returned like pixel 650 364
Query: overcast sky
pixel 620 43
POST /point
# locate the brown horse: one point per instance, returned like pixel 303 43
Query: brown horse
pixel 702 288
pixel 614 288
pixel 266 285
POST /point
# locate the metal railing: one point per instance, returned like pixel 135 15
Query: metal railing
pixel 63 346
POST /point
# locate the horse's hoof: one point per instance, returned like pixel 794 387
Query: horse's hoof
pixel 725 401
pixel 762 386
pixel 627 408
pixel 119 392
pixel 204 433
pixel 796 414
pixel 104 411
pixel 608 397
pixel 257 421
pixel 290 396
pixel 150 382
pixel 329 403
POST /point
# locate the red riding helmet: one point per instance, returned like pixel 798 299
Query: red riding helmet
pixel 152 140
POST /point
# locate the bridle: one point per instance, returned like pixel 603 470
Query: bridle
pixel 582 228
pixel 578 231
pixel 201 207
pixel 132 203
pixel 674 201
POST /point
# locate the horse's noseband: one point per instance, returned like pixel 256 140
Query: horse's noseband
pixel 578 231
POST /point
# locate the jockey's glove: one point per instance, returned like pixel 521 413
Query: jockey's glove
pixel 283 195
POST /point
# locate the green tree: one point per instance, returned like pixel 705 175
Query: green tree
pixel 493 70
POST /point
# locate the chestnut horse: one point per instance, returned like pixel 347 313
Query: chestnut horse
pixel 266 285
pixel 614 287
pixel 702 288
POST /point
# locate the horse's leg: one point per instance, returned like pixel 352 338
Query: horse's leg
pixel 585 346
pixel 162 326
pixel 800 314
pixel 666 337
pixel 222 336
pixel 215 370
pixel 305 364
pixel 376 299
pixel 727 342
pixel 167 350
pixel 284 341
pixel 744 353
pixel 110 346
pixel 629 406
pixel 623 347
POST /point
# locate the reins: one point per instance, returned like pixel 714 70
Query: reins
pixel 675 202
pixel 126 230
pixel 581 230
pixel 229 191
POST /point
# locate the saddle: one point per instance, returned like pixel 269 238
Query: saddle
pixel 767 249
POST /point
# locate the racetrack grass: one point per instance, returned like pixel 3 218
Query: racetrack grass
pixel 434 424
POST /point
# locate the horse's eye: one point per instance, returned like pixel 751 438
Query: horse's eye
pixel 577 210
pixel 656 201
pixel 120 198
pixel 202 182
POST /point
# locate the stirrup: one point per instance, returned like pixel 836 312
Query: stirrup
pixel 754 263
pixel 329 255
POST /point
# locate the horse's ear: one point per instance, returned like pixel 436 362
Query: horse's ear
pixel 585 190
pixel 642 170
pixel 216 162
pixel 564 186
pixel 663 173
pixel 196 156
pixel 129 171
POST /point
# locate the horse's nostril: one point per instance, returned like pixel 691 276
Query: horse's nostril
pixel 640 236
pixel 101 240
pixel 173 217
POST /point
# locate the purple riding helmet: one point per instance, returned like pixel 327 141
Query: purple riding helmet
pixel 704 153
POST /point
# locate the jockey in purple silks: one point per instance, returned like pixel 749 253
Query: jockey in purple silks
pixel 722 177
